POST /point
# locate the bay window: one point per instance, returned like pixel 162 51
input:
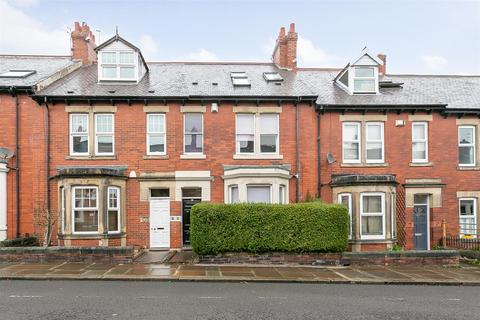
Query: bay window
pixel 468 217
pixel 193 133
pixel 79 144
pixel 419 142
pixel 156 135
pixel 85 210
pixel 104 134
pixel 372 216
pixel 259 194
pixel 466 145
pixel 351 142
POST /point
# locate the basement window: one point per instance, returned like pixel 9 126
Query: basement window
pixel 17 73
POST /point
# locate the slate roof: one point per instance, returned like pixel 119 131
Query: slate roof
pixel 45 66
pixel 175 79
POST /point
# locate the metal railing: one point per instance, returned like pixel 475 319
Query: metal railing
pixel 462 243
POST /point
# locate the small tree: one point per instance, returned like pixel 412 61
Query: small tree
pixel 46 219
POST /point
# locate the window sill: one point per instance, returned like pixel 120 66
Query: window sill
pixel 156 157
pixel 468 168
pixel 362 165
pixel 114 157
pixel 257 156
pixel 421 164
pixel 193 156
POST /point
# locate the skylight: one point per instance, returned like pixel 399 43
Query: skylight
pixel 272 76
pixel 240 79
pixel 17 73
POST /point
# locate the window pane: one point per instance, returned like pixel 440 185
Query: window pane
pixel 79 123
pixel 112 197
pixel 156 123
pixel 80 144
pixel 234 197
pixel 246 143
pixel 113 220
pixel 281 194
pixel 364 85
pixel 109 57
pixel 420 199
pixel 105 144
pixel 193 143
pixel 418 131
pixel 157 143
pixel 467 207
pixel 374 132
pixel 268 124
pixel 350 132
pixel 104 123
pixel 192 192
pixel 258 194
pixel 245 124
pixel 364 72
pixel 159 193
pixel 466 155
pixel 109 72
pixel 372 204
pixel 127 72
pixel 374 151
pixel 419 150
pixel 193 122
pixel 465 135
pixel 372 225
pixel 86 220
pixel 126 57
pixel 350 151
pixel 268 143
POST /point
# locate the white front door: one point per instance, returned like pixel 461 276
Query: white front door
pixel 160 223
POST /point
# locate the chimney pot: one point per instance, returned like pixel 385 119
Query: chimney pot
pixel 83 44
pixel 292 27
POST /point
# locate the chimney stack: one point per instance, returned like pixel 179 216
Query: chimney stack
pixel 83 44
pixel 382 69
pixel 285 51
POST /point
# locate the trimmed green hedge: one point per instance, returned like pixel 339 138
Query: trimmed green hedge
pixel 20 242
pixel 302 227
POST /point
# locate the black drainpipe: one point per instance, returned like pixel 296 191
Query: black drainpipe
pixel 297 160
pixel 47 152
pixel 319 160
pixel 17 162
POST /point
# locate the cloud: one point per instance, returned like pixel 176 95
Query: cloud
pixel 200 55
pixel 24 3
pixel 310 56
pixel 26 35
pixel 435 63
pixel 147 45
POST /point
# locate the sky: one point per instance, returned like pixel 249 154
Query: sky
pixel 421 36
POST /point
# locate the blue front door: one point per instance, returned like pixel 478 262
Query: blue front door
pixel 420 226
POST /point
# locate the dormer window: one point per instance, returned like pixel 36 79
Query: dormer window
pixel 364 80
pixel 118 65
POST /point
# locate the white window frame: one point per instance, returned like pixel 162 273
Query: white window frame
pixel 277 145
pixel 74 208
pixel 237 144
pixel 117 65
pixel 117 208
pixel 425 141
pixel 374 78
pixel 164 133
pixel 382 141
pixel 474 216
pixel 282 194
pixel 230 191
pixel 350 213
pixel 259 185
pixel 376 214
pixel 359 141
pixel 62 209
pixel 185 133
pixel 105 134
pixel 77 134
pixel 473 144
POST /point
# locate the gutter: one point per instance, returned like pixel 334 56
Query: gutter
pixel 319 160
pixel 47 153
pixel 297 160
pixel 17 161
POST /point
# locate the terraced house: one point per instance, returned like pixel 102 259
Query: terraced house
pixel 122 148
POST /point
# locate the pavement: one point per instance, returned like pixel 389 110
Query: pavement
pixel 80 300
pixel 432 275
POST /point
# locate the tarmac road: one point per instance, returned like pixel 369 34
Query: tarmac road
pixel 22 299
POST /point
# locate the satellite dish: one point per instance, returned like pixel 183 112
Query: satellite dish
pixel 6 153
pixel 330 158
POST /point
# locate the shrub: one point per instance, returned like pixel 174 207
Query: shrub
pixel 302 227
pixel 20 242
